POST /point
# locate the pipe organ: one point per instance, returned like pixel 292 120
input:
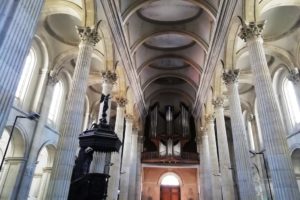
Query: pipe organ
pixel 169 133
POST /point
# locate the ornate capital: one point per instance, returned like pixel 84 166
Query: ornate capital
pixel 231 76
pixel 250 117
pixel 52 78
pixel 129 118
pixel 121 101
pixel 294 75
pixel 210 118
pixel 251 30
pixel 218 102
pixel 88 34
pixel 109 76
pixel 203 130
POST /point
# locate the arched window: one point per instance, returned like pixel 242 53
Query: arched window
pixel 26 76
pixel 291 100
pixel 170 180
pixel 55 103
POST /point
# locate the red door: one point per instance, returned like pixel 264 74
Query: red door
pixel 169 193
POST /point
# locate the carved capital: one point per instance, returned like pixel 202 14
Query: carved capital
pixel 251 30
pixel 88 34
pixel 218 102
pixel 210 118
pixel 121 101
pixel 294 75
pixel 250 117
pixel 109 77
pixel 203 130
pixel 231 76
pixel 52 78
pixel 129 118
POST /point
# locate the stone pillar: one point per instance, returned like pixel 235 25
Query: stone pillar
pixel 37 139
pixel 125 171
pixel 207 180
pixel 138 194
pixel 250 118
pixel 73 117
pixel 17 28
pixel 108 80
pixel 224 158
pixel 215 172
pixel 201 168
pixel 133 165
pixel 241 149
pixel 114 172
pixel 44 183
pixel 279 161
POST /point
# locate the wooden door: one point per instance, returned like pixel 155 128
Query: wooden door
pixel 169 193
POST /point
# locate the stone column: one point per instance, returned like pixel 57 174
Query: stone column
pixel 17 28
pixel 114 172
pixel 250 118
pixel 207 180
pixel 138 194
pixel 44 183
pixel 133 165
pixel 215 172
pixel 224 158
pixel 241 149
pixel 108 80
pixel 201 168
pixel 73 117
pixel 37 139
pixel 125 171
pixel 279 161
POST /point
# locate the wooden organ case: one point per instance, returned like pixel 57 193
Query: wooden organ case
pixel 170 136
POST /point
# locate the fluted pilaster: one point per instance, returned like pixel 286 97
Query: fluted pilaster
pixel 133 165
pixel 124 185
pixel 279 161
pixel 73 117
pixel 215 172
pixel 206 167
pixel 17 28
pixel 36 142
pixel 114 172
pixel 224 158
pixel 241 149
pixel 138 194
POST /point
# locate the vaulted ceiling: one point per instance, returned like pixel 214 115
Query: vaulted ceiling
pixel 169 43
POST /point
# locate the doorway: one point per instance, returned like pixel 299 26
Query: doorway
pixel 170 187
pixel 169 192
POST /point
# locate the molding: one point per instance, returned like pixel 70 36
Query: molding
pixel 226 10
pixel 114 21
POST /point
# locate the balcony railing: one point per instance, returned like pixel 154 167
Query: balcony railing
pixel 184 157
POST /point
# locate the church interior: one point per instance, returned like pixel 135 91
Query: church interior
pixel 150 100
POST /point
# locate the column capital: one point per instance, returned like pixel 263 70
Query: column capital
pixel 218 102
pixel 231 76
pixel 250 117
pixel 129 118
pixel 121 101
pixel 88 34
pixel 203 130
pixel 52 78
pixel 109 77
pixel 210 118
pixel 251 30
pixel 294 75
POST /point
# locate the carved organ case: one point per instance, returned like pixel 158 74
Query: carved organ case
pixel 170 135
